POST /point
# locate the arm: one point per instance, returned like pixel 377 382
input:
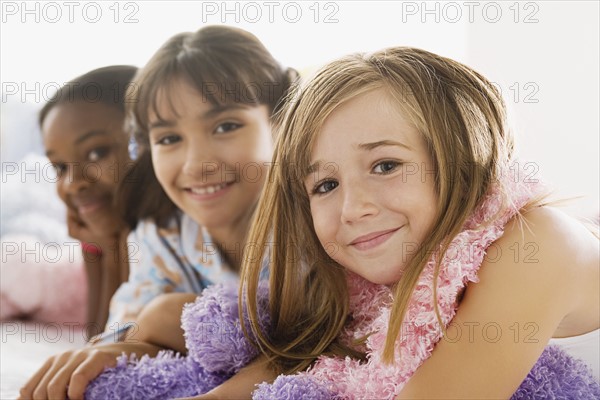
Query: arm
pixel 69 373
pixel 106 271
pixel 159 323
pixel 146 279
pixel 507 318
pixel 113 265
pixel 242 384
pixel 158 328
pixel 93 273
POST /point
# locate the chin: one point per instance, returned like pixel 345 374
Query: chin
pixel 382 279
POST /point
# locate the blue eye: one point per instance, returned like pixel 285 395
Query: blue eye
pixel 227 127
pixel 324 187
pixel 168 140
pixel 385 167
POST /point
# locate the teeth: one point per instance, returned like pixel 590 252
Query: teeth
pixel 208 189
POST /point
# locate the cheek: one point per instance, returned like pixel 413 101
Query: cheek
pixel 424 213
pixel 60 190
pixel 432 206
pixel 254 155
pixel 162 167
pixel 252 164
pixel 255 174
pixel 258 147
pixel 266 146
pixel 323 224
pixel 109 172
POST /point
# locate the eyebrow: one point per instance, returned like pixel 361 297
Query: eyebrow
pixel 363 146
pixel 215 111
pixel 89 135
pixel 83 138
pixel 210 114
pixel 374 145
pixel 312 168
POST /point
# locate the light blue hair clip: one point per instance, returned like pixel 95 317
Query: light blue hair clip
pixel 133 148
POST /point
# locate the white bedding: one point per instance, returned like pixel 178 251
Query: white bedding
pixel 24 348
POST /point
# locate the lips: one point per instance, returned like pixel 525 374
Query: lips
pixel 89 205
pixel 209 189
pixel 372 240
pixel 208 192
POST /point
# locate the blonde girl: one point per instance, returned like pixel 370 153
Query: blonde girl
pixel 383 161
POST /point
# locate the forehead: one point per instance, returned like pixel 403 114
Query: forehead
pixel 369 117
pixel 174 98
pixel 69 117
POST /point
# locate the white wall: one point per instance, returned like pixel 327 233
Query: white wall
pixel 558 54
pixel 558 57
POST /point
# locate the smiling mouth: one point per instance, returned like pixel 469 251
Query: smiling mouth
pixel 209 189
pixel 89 206
pixel 372 240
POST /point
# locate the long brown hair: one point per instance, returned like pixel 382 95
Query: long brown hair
pixel 461 116
pixel 225 65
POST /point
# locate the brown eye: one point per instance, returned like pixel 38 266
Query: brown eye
pixel 98 154
pixel 59 168
pixel 227 127
pixel 168 140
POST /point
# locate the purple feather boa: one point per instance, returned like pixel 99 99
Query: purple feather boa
pixel 212 331
pixel 216 346
pixel 218 349
pixel 164 377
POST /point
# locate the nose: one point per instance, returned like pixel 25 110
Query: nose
pixel 200 160
pixel 358 203
pixel 75 179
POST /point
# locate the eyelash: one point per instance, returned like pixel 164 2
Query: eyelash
pixel 59 168
pixel 317 188
pixel 101 152
pixel 167 140
pixel 220 129
pixel 233 126
pixel 396 164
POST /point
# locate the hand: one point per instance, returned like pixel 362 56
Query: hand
pixel 243 383
pixel 79 229
pixel 69 373
pixel 103 233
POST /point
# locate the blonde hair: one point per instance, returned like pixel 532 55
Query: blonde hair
pixel 461 116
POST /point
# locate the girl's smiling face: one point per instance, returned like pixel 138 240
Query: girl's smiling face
pixel 87 146
pixel 371 187
pixel 210 160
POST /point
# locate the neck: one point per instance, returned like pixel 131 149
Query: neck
pixel 231 240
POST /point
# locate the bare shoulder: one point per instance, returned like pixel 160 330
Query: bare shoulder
pixel 549 251
pixel 527 291
pixel 557 239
